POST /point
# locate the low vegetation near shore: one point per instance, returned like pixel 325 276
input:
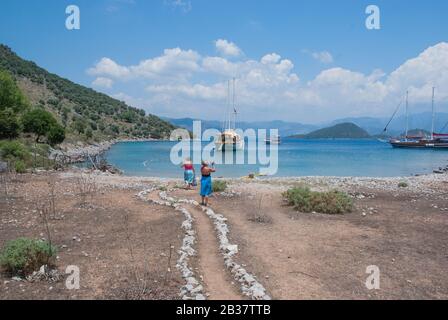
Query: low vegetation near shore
pixel 23 256
pixel 330 202
pixel 219 186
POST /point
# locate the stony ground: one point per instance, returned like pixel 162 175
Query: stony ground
pixel 127 248
pixel 121 245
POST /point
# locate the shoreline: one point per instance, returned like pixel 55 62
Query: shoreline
pixel 76 153
pixel 424 184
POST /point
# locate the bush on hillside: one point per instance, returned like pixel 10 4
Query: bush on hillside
pixel 42 123
pixel 79 125
pixel 9 124
pixel 10 95
pixel 13 150
pixel 56 135
pixel 19 166
pixel 38 122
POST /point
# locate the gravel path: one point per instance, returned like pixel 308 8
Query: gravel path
pixel 218 283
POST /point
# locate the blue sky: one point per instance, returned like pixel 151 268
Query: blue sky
pixel 321 61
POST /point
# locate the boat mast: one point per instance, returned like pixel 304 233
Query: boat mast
pixel 234 110
pixel 407 114
pixel 227 118
pixel 433 114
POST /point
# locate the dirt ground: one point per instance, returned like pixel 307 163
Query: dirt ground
pixel 127 249
pixel 121 245
pixel 317 256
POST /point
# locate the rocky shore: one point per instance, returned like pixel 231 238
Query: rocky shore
pixel 430 186
pixel 75 153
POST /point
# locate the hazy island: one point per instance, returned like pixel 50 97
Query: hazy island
pixel 340 131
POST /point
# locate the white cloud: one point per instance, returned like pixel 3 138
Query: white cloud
pixel 420 74
pixel 227 48
pixel 259 83
pixel 219 66
pixel 271 58
pixel 196 91
pixel 184 83
pixel 183 5
pixel 116 5
pixel 102 82
pixel 347 89
pixel 108 67
pixel 323 56
pixel 173 63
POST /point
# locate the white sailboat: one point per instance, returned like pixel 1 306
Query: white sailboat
pixel 229 139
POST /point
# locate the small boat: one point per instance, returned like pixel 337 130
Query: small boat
pixel 229 139
pixel 434 141
pixel 273 140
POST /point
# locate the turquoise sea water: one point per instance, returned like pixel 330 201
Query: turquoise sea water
pixel 296 158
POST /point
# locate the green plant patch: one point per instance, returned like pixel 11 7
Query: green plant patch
pixel 331 202
pixel 403 185
pixel 22 256
pixel 219 186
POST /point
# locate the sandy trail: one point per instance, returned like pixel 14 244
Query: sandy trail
pixel 217 281
pixel 215 278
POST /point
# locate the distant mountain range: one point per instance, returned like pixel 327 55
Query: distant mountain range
pixel 373 126
pixel 339 131
pixel 285 128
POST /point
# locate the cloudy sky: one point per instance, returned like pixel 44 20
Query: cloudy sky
pixel 308 61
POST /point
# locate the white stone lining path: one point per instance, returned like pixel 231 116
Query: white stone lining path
pixel 192 290
pixel 248 283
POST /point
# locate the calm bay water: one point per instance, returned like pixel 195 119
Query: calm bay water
pixel 296 158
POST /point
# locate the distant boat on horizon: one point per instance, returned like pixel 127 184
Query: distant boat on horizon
pixel 275 140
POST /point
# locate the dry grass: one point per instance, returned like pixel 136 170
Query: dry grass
pixel 87 188
pixel 258 214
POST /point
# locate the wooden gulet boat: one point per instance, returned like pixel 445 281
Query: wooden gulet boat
pixel 435 141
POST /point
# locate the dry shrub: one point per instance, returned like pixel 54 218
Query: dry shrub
pixel 331 202
pixel 258 213
pixel 87 188
pixel 144 283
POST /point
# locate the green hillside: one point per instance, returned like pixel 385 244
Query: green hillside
pixel 87 115
pixel 339 131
